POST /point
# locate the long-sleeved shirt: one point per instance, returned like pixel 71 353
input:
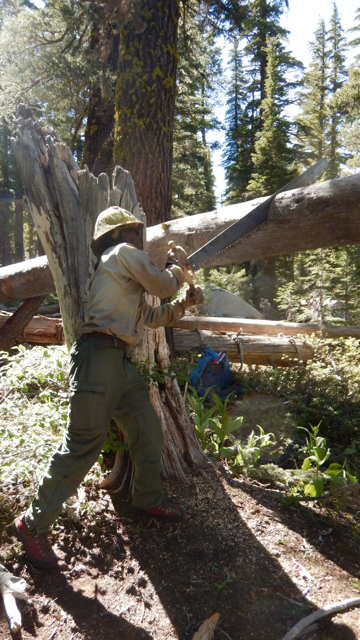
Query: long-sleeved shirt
pixel 116 301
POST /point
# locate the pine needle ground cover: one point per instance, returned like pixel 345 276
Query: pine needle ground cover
pixel 262 564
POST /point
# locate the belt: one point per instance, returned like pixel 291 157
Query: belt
pixel 104 340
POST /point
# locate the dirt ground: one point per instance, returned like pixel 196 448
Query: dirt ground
pixel 240 552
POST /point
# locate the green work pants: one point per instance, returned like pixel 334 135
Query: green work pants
pixel 104 384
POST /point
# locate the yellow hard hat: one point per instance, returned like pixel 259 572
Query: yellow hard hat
pixel 114 218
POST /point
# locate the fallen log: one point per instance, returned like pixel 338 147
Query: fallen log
pixel 17 322
pixel 268 327
pixel 246 349
pixel 40 330
pixel 323 215
pixel 26 280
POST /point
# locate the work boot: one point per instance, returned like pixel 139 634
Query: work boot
pixel 37 547
pixel 165 511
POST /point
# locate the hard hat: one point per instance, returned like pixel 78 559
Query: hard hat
pixel 114 218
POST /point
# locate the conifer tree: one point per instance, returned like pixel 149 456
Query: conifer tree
pixel 262 23
pixel 199 74
pixel 273 154
pixel 313 120
pixel 238 143
pixel 347 100
pixel 337 77
pixel 321 286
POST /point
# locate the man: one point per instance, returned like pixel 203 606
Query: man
pixel 103 382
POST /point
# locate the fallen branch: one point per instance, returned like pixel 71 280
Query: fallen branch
pixel 11 588
pixel 206 631
pixel 16 323
pixel 314 617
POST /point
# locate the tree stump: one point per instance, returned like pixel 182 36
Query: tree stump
pixel 64 202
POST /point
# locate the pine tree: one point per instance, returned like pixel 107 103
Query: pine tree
pixel 273 155
pixel 337 77
pixel 347 101
pixel 46 63
pixel 321 286
pixel 238 142
pixel 313 120
pixel 262 23
pixel 198 75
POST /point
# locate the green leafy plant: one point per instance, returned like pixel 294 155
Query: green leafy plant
pixel 251 452
pixel 338 474
pixel 180 369
pixel 222 427
pixel 201 415
pixel 318 454
pixel 33 410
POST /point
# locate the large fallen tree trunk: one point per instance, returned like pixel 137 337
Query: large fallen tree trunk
pixel 323 215
pixel 268 327
pixel 26 280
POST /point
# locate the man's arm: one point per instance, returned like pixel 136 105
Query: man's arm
pixel 168 314
pixel 163 283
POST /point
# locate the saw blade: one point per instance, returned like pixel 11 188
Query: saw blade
pixel 254 220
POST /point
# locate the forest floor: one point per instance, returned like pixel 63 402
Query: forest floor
pixel 242 553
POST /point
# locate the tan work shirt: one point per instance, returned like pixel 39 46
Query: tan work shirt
pixel 116 301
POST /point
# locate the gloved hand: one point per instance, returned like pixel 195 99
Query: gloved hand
pixel 176 255
pixel 193 296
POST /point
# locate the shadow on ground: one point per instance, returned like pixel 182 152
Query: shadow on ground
pixel 214 563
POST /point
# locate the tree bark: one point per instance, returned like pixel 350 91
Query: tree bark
pixel 270 328
pixel 65 202
pixel 323 215
pixel 145 100
pixel 38 330
pixel 26 279
pixel 246 349
pixel 326 214
pixel 44 329
pixel 99 131
pixel 249 349
pixel 19 230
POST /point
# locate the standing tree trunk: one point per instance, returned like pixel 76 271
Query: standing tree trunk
pixel 65 202
pixel 145 100
pixel 19 229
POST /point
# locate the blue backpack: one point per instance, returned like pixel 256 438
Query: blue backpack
pixel 212 372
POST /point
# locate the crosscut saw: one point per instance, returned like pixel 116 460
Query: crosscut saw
pixel 253 220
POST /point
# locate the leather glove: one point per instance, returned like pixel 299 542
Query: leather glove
pixel 193 296
pixel 177 256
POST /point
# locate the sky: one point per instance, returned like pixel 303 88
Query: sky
pixel 301 21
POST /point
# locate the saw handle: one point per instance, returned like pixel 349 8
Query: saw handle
pixel 187 275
